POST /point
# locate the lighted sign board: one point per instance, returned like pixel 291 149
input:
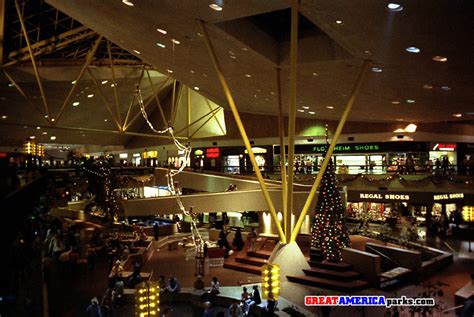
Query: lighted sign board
pixel 445 147
pixel 448 196
pixel 381 147
pixel 377 196
pixel 213 152
pixel 468 213
pixel 257 150
pixel 123 155
pixel 198 152
pixel 150 154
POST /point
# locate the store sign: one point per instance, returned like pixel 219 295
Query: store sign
pixel 448 196
pixel 123 155
pixel 213 152
pixel 381 147
pixel 377 196
pixel 349 148
pixel 451 147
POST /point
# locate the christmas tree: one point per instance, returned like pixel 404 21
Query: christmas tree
pixel 329 231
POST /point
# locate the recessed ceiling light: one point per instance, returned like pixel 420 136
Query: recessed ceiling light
pixel 11 85
pixel 46 116
pixel 52 138
pixel 73 82
pixel 394 7
pixel 338 22
pixel 311 112
pixel 376 69
pixel 44 133
pixel 248 75
pixel 112 85
pixel 447 88
pixel 90 95
pixel 395 102
pixel 412 49
pixel 175 41
pixel 426 86
pixel 300 110
pixel 305 107
pixel 161 31
pixel 215 7
pixel 330 107
pixel 137 52
pixel 169 71
pixel 32 137
pixel 411 128
pixel 52 119
pixel 38 128
pixel 410 100
pixel 75 103
pixel 4 117
pixel 457 115
pixel 104 82
pixel 196 88
pixel 441 59
pixel 105 120
pixel 161 45
pixel 315 74
pixel 128 2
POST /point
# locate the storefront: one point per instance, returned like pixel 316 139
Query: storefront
pixel 440 151
pixel 357 158
pixel 150 158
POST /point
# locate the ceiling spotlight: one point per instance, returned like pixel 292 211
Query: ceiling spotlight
pixel 38 128
pixel 215 7
pixel 411 128
pixel 447 88
pixel 441 59
pixel 412 49
pixel 300 110
pixel 75 103
pixel 399 130
pixel 338 22
pixel 90 95
pixel 169 71
pixel 44 133
pixel 32 137
pixel 46 116
pixel 105 120
pixel 52 138
pixel 161 31
pixel 4 117
pixel 73 82
pixel 11 85
pixel 305 107
pixel 394 7
pixel 315 74
pixel 248 75
pixel 160 45
pixel 330 107
pixel 104 82
pixel 128 2
pixel 311 112
pixel 52 119
pixel 395 102
pixel 196 88
pixel 175 41
pixel 137 52
pixel 112 85
pixel 376 69
pixel 457 115
pixel 410 100
pixel 426 86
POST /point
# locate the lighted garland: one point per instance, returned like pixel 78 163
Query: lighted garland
pixel 186 149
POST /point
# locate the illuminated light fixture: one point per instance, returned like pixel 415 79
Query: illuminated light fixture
pixel 215 7
pixel 300 110
pixel 457 115
pixel 411 128
pixel 32 137
pixel 447 88
pixel 394 7
pixel 75 103
pixel 399 131
pixel 311 112
pixel 147 299
pixel 11 85
pixel 338 22
pixel 161 31
pixel 175 41
pixel 191 71
pixel 112 85
pixel 410 101
pixel 38 128
pixel 399 119
pixel 196 88
pixel 161 45
pixel 395 102
pixel 244 49
pixel 52 138
pixel 128 2
pixel 376 69
pixel 137 52
pixel 412 49
pixel 270 281
pixel 4 117
pixel 52 119
pixel 73 82
pixel 90 95
pixel 233 56
pixel 305 107
pixel 44 133
pixel 248 75
pixel 330 107
pixel 104 82
pixel 315 74
pixel 46 116
pixel 169 71
pixel 440 59
pixel 426 86
pixel 105 120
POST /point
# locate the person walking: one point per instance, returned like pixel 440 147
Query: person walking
pixel 155 231
pixel 94 310
pixel 253 239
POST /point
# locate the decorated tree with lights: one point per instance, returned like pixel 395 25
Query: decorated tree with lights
pixel 329 231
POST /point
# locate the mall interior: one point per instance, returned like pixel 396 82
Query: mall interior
pixel 236 158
